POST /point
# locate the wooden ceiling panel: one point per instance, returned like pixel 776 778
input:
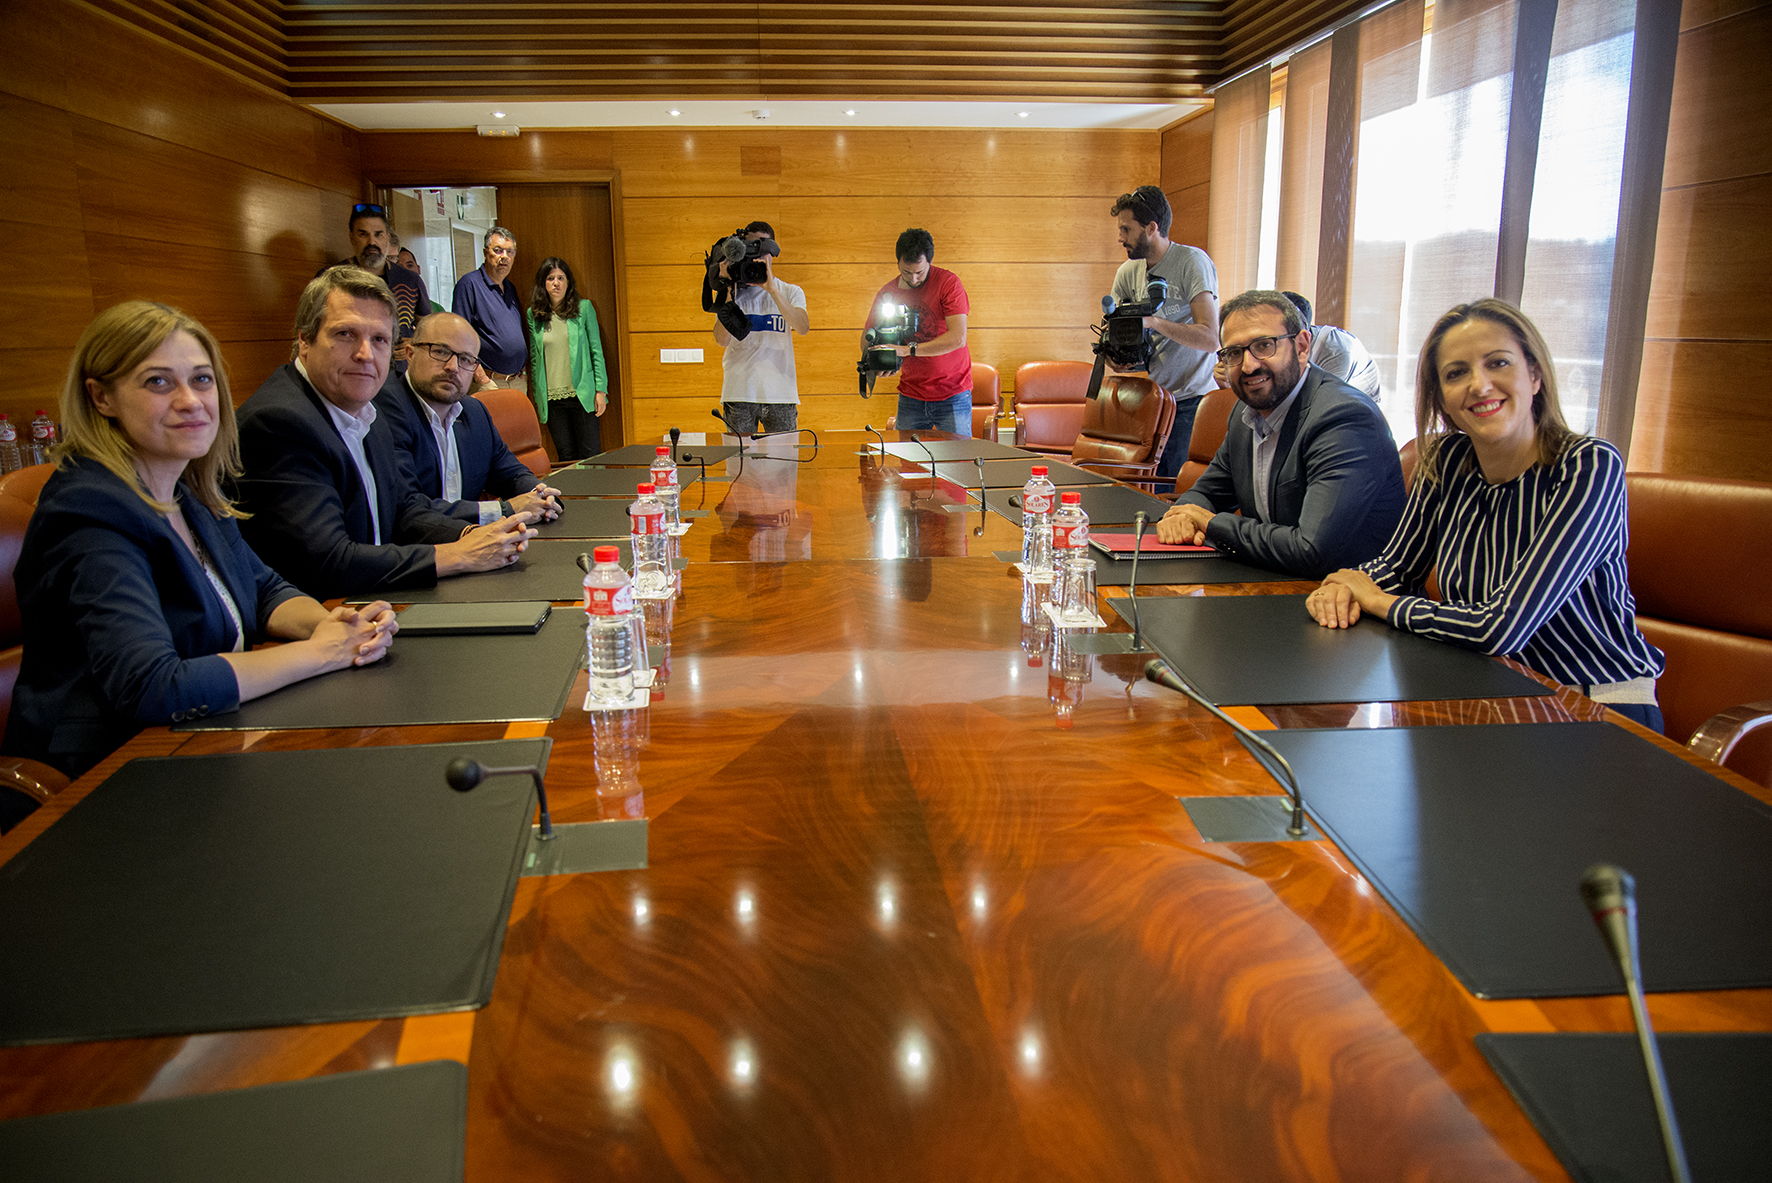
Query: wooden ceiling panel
pixel 415 50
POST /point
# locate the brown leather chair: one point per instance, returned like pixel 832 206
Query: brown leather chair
pixel 1125 428
pixel 987 401
pixel 514 416
pixel 36 780
pixel 1049 405
pixel 1701 570
pixel 24 484
pixel 1406 457
pixel 1211 421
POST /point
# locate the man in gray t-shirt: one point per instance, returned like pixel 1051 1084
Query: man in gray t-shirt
pixel 1186 323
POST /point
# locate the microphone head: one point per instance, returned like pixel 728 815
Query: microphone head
pixel 1606 888
pixel 1138 520
pixel 732 248
pixel 464 774
pixel 676 434
pixel 1155 671
pixel 867 427
pixel 1108 305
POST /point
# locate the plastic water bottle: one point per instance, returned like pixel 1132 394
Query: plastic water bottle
pixel 1073 569
pixel 1070 529
pixel 1036 523
pixel 652 576
pixel 609 599
pixel 43 436
pixel 10 460
pixel 664 479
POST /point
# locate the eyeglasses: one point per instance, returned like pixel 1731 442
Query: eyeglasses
pixel 502 252
pixel 1262 347
pixel 444 354
pixel 364 207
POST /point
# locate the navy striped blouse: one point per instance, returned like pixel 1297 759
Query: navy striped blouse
pixel 1531 569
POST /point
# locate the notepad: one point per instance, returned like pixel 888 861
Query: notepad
pixel 1121 546
pixel 438 620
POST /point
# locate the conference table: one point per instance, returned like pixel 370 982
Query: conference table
pixel 921 903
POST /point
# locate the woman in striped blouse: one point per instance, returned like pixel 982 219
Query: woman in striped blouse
pixel 1522 518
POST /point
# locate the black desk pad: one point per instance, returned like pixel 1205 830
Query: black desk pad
pixel 1105 505
pixel 1478 836
pixel 1267 651
pixel 613 482
pixel 264 889
pixel 393 1125
pixel 1589 1097
pixel 580 517
pixel 642 455
pixel 547 570
pixel 955 450
pixel 476 679
pixel 1012 474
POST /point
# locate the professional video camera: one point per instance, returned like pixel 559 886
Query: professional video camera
pixel 898 326
pixel 1121 337
pixel 745 267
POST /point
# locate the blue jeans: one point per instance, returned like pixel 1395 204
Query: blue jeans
pixel 948 414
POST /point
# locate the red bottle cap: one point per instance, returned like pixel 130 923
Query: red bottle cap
pixel 1038 470
pixel 606 554
pixel 645 489
pixel 663 450
pixel 1070 498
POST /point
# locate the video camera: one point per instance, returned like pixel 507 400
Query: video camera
pixel 1121 337
pixel 898 326
pixel 745 267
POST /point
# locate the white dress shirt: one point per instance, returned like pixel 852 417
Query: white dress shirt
pixel 449 454
pixel 353 429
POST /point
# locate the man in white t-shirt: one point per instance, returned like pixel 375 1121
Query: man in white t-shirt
pixel 1338 351
pixel 760 392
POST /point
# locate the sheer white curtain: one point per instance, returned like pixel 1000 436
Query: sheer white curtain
pixel 1239 159
pixel 1575 194
pixel 1304 118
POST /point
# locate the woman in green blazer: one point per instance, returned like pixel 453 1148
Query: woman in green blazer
pixel 566 376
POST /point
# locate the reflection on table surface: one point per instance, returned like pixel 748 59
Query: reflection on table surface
pixel 921 904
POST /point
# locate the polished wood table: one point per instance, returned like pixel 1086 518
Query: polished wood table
pixel 922 905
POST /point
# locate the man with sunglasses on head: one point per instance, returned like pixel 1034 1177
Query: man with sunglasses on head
pixel 375 246
pixel 1186 323
pixel 1307 480
pixel 447 436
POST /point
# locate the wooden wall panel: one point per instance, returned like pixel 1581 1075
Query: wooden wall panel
pixel 1709 330
pixel 1689 422
pixel 450 158
pixel 1721 124
pixel 212 194
pixel 1187 177
pixel 975 227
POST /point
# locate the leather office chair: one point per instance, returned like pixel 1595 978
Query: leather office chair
pixel 25 484
pixel 987 401
pixel 36 780
pixel 1049 405
pixel 1406 457
pixel 1211 421
pixel 1701 570
pixel 1125 428
pixel 514 416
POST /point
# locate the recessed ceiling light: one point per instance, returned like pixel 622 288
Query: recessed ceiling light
pixel 1022 114
pixel 674 111
pixel 498 114
pixel 851 111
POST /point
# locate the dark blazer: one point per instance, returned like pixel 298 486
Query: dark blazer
pixel 122 628
pixel 1336 491
pixel 489 470
pixel 310 510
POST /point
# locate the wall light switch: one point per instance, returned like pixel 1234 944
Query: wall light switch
pixel 679 357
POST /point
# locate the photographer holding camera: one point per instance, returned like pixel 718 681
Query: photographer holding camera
pixel 755 313
pixel 935 367
pixel 1186 322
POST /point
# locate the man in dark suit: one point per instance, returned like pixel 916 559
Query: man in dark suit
pixel 1309 461
pixel 335 511
pixel 448 438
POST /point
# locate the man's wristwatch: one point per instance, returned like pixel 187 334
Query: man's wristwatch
pixel 504 508
pixel 913 349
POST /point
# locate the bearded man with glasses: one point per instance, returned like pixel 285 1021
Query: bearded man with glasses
pixel 1307 479
pixel 447 436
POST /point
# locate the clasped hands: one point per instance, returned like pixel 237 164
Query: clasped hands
pixel 1184 525
pixel 1344 595
pixel 542 503
pixel 360 634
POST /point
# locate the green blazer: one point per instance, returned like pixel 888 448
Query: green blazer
pixel 586 346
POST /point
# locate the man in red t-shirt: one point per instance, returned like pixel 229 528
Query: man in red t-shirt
pixel 935 380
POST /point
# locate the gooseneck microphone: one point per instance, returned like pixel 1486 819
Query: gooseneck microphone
pixel 676 434
pixel 1611 895
pixel 1162 675
pixel 1138 521
pixel 869 428
pixel 464 774
pixel 933 475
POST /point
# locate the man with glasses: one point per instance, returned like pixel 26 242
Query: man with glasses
pixel 375 247
pixel 447 437
pixel 488 300
pixel 1185 323
pixel 1307 480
